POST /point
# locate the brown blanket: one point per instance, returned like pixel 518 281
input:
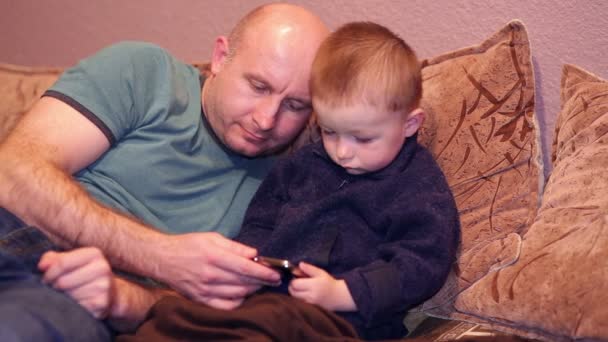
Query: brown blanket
pixel 263 317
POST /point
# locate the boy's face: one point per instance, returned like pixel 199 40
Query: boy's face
pixel 362 138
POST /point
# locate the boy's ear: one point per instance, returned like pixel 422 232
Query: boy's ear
pixel 220 54
pixel 413 122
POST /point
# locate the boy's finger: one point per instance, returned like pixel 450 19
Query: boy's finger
pixel 310 270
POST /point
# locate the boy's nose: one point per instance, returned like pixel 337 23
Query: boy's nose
pixel 343 150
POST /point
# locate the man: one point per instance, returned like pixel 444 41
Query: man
pixel 121 122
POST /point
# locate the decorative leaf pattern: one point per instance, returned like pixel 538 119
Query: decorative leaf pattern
pixel 481 128
pixel 557 289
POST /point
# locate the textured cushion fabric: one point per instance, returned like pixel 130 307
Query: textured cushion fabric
pixel 20 87
pixel 558 288
pixel 481 127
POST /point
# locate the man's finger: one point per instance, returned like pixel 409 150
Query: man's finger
pixel 252 271
pixel 235 247
pixel 47 260
pixel 227 291
pixel 81 276
pixel 66 263
pixel 224 304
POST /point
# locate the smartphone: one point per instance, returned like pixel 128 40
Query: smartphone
pixel 283 265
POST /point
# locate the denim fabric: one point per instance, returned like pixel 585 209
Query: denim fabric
pixel 22 241
pixel 30 310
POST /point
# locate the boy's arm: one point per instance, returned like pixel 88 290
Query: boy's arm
pixel 316 286
pixel 415 260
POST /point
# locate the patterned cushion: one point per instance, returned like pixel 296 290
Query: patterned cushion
pixel 558 289
pixel 482 128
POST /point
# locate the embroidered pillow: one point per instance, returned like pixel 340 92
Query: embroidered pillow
pixel 482 128
pixel 558 289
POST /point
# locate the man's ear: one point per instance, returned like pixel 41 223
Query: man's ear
pixel 220 54
pixel 413 122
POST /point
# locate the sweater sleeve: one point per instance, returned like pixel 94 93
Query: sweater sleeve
pixel 265 206
pixel 422 236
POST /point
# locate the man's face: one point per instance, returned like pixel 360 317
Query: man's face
pixel 362 138
pixel 259 100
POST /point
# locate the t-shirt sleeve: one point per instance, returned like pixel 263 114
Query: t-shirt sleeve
pixel 117 88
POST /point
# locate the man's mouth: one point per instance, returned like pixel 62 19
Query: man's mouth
pixel 254 137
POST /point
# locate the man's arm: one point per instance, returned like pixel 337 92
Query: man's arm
pixel 36 162
pixel 85 275
pixel 131 304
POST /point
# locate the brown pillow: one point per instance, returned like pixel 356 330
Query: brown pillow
pixel 558 289
pixel 20 87
pixel 482 129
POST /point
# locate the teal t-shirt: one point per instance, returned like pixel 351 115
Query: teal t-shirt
pixel 164 165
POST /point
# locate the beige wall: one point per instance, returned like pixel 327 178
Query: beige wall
pixel 59 32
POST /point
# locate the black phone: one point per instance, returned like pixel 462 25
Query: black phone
pixel 283 265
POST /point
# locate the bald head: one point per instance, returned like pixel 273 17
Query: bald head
pixel 257 96
pixel 280 21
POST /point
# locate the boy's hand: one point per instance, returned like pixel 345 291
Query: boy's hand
pixel 322 289
pixel 84 274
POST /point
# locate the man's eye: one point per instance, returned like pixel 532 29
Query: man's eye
pixel 296 106
pixel 258 87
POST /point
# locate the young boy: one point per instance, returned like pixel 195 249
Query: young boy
pixel 368 207
pixel 367 214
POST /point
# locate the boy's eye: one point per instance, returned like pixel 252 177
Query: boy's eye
pixel 327 132
pixel 364 140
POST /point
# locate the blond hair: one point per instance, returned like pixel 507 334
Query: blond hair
pixel 363 62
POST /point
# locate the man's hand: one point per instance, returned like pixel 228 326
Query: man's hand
pixel 212 269
pixel 84 274
pixel 320 288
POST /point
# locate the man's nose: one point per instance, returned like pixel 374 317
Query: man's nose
pixel 265 113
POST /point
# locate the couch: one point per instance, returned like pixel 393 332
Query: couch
pixel 533 260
